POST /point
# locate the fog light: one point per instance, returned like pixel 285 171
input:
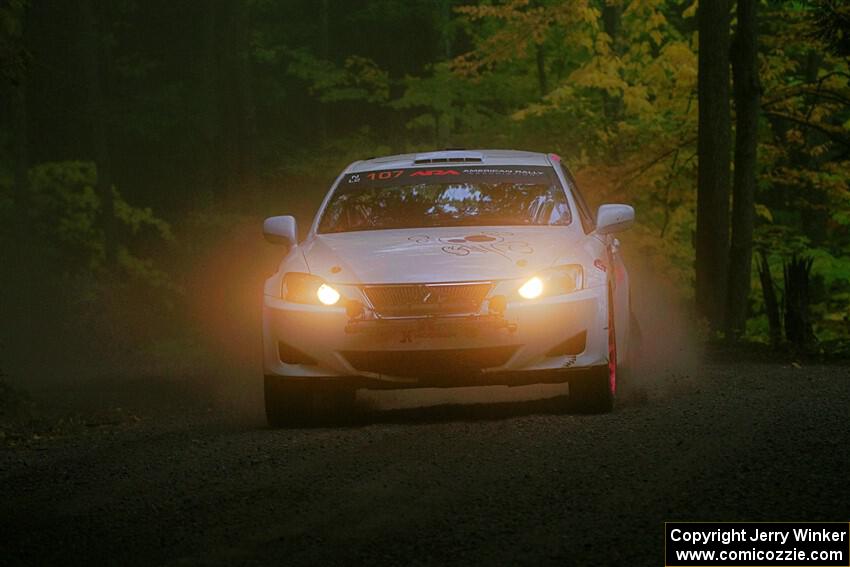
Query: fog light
pixel 532 288
pixel 574 345
pixel 290 355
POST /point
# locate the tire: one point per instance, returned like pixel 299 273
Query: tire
pixel 301 402
pixel 596 391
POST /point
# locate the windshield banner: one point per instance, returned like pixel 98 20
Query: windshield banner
pixel 531 174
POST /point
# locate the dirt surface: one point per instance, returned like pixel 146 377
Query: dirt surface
pixel 170 477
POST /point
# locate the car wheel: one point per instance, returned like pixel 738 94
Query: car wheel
pixel 306 403
pixel 595 392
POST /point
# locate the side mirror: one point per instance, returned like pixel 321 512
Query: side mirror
pixel 281 230
pixel 614 218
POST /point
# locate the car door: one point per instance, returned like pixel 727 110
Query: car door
pixel 618 277
pixel 620 280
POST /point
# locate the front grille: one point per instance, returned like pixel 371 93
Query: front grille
pixel 420 300
pixel 429 363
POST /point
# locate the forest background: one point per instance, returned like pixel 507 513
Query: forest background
pixel 143 141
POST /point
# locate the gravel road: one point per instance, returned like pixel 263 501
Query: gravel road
pixel 183 482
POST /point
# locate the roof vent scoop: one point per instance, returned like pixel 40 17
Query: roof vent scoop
pixel 451 156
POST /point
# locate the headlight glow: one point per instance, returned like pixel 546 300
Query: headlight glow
pixel 327 294
pixel 299 287
pixel 531 289
pixel 554 281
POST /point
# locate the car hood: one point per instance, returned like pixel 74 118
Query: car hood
pixel 435 254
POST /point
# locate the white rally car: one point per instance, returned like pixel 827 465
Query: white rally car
pixel 446 269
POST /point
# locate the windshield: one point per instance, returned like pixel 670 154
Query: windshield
pixel 462 196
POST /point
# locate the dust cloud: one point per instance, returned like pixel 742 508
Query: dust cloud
pixel 667 354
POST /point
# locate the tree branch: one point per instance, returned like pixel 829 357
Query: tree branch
pixel 832 134
pixel 640 170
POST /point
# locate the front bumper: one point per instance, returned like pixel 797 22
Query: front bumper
pixel 523 346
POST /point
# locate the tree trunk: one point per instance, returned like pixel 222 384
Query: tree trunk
pixel 771 305
pixel 712 232
pixel 746 93
pixel 247 108
pixel 210 162
pixel 94 63
pixel 816 216
pixel 232 79
pixel 20 297
pixel 20 130
pixel 612 105
pixel 444 20
pixel 798 326
pixel 542 82
pixel 612 15
pixel 324 54
pixel 19 117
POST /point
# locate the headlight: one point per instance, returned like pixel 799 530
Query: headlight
pixel 305 288
pixel 557 281
pixel 531 289
pixel 327 294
